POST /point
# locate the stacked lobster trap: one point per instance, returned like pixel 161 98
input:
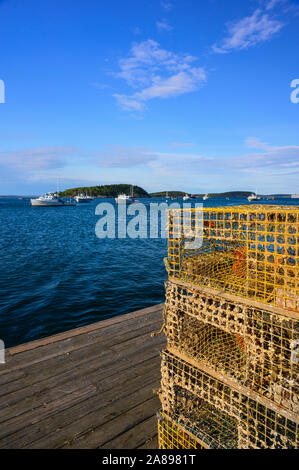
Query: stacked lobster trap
pixel 231 318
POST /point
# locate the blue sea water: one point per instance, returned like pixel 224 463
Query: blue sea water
pixel 57 275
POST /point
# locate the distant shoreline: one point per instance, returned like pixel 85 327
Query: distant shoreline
pixel 162 194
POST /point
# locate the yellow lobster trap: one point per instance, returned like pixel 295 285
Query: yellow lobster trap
pixel 220 415
pixel 251 251
pixel 237 339
pixel 212 428
pixel 172 435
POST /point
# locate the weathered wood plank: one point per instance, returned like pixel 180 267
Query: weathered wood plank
pixel 66 419
pixel 85 388
pixel 126 418
pixel 135 436
pixel 151 443
pixel 57 364
pixel 82 330
pixel 92 372
pixel 54 349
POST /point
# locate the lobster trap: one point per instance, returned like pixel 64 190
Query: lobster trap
pixel 245 343
pixel 172 435
pixel 260 427
pixel 218 414
pixel 251 251
pixel 213 428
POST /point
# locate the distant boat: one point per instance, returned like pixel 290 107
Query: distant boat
pixel 206 196
pixel 166 196
pixel 82 198
pixel 253 197
pixel 124 198
pixel 295 196
pixel 186 197
pixel 50 200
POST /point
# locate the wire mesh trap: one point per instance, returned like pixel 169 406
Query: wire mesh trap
pixel 207 344
pixel 221 415
pixel 251 251
pixel 256 348
pixel 172 436
pixel 260 427
pixel 215 429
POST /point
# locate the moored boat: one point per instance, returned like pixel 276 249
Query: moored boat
pixel 50 200
pixel 253 197
pixel 82 198
pixel 124 198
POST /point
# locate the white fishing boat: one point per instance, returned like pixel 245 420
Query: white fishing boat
pixel 253 197
pixel 82 198
pixel 206 196
pixel 50 200
pixel 124 198
pixel 186 197
pixel 295 196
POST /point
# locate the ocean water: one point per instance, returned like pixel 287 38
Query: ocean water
pixel 57 275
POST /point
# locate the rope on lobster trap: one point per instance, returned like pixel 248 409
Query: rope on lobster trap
pixel 157 333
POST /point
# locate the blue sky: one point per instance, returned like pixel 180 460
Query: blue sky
pixel 192 95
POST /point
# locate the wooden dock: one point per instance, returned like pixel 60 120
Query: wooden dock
pixel 87 388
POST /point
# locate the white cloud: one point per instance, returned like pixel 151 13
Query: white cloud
pixel 254 143
pixel 249 31
pixel 121 156
pixel 166 5
pixel 163 25
pixel 44 158
pixel 128 103
pixel 157 73
pixel 273 167
pixel 270 4
pixel 274 158
pixel 177 84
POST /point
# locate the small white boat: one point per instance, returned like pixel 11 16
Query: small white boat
pixel 50 200
pixel 81 198
pixel 253 197
pixel 295 196
pixel 124 198
pixel 186 197
pixel 206 196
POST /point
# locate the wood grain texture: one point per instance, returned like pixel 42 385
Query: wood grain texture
pixel 91 387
